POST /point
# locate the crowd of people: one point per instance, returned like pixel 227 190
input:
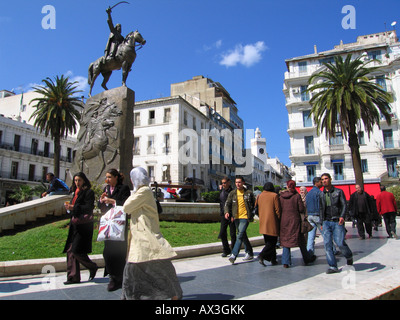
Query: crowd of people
pixel 141 263
pixel 292 219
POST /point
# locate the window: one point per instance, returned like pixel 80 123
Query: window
pixel 391 164
pixel 152 117
pixel 307 122
pixel 381 81
pixel 14 170
pixel 46 152
pixel 150 145
pixel 338 171
pixel 34 146
pixel 166 172
pixel 17 141
pixel 167 142
pixel 361 139
pixel 150 171
pixel 309 144
pixel 303 67
pixel 167 115
pixel 305 96
pixel 44 173
pixel 136 146
pixel 388 138
pixel 311 172
pixel 136 119
pixel 364 165
pixel 185 121
pixel 376 54
pixel 337 140
pixel 31 176
pixel 69 154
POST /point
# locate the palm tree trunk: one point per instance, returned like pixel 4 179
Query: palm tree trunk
pixel 57 151
pixel 355 156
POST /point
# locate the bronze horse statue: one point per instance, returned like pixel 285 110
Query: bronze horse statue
pixel 124 58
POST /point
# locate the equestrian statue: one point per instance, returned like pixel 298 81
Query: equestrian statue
pixel 120 53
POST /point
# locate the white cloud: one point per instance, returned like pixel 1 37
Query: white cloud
pixel 247 55
pixel 82 82
pixel 217 44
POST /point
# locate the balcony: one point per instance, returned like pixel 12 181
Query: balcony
pixel 32 151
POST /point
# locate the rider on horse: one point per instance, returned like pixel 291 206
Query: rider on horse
pixel 115 38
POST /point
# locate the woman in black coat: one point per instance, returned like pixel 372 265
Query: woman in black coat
pixel 115 194
pixel 80 235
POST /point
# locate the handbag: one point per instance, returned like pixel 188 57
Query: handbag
pixel 305 226
pixel 112 225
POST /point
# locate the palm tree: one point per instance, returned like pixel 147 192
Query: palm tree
pixel 56 112
pixel 344 96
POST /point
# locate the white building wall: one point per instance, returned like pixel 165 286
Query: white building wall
pixel 324 155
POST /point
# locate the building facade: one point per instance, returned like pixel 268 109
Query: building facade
pixel 311 154
pixel 187 134
pixel 26 156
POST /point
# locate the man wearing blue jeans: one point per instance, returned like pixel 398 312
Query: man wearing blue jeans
pixel 239 208
pixel 332 212
pixel 313 204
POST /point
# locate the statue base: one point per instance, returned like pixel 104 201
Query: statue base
pixel 105 138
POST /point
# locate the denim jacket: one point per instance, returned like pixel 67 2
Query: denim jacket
pixel 338 203
pixel 313 201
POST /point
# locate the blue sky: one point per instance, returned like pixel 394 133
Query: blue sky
pixel 241 44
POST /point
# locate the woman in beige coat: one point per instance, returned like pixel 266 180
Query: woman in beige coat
pixel 149 273
pixel 269 212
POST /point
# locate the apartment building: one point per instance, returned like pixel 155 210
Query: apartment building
pixel 311 154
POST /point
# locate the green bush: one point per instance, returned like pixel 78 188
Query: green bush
pixel 211 196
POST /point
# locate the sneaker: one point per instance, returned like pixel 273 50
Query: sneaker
pixel 394 235
pixel 232 259
pixel 350 262
pixel 332 270
pixel 248 257
pixel 224 255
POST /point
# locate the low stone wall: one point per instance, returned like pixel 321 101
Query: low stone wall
pixel 20 214
pixel 190 211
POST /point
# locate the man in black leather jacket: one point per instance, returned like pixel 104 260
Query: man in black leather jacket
pixel 333 210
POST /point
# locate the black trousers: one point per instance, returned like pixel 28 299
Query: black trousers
pixel 364 219
pixel 223 235
pixel 115 258
pixel 390 222
pixel 269 251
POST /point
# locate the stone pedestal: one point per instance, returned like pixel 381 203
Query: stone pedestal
pixel 105 139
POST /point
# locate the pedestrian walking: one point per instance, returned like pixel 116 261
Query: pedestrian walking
pixel 114 253
pixel 80 234
pixel 332 213
pixel 290 229
pixel 313 205
pixel 387 207
pixel 360 209
pixel 269 212
pixel 239 208
pixel 149 273
pixel 225 189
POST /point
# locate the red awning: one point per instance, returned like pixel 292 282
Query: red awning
pixel 373 189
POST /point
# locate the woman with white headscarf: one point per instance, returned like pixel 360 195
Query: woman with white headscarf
pixel 149 273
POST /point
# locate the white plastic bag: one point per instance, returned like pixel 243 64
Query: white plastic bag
pixel 112 225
